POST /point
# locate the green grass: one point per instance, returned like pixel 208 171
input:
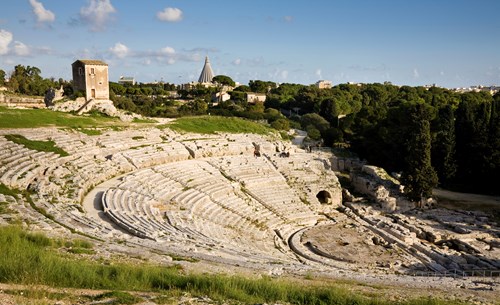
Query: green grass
pixel 4 208
pixel 213 124
pixel 32 118
pixel 46 146
pixel 7 191
pixel 30 259
pixel 90 132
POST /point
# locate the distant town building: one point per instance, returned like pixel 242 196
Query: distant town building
pixel 253 97
pixel 221 97
pixel 490 89
pixel 91 77
pixel 207 74
pixel 324 84
pixel 126 80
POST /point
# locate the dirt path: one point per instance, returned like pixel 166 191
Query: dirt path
pixel 449 199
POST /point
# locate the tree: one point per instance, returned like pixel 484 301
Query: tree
pixel 243 88
pixel 332 135
pixel 314 120
pixel 223 80
pixel 472 127
pixel 197 106
pixel 419 177
pixel 147 91
pixel 238 96
pixel 117 89
pixel 313 133
pixel 261 86
pixel 281 124
pixel 272 115
pixel 443 145
pixel 493 156
pixel 27 80
pixel 2 77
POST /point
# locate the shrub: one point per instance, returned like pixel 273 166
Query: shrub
pixel 280 124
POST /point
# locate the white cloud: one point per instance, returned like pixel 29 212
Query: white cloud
pixel 5 39
pixel 119 50
pixel 236 62
pixel 171 61
pixel 288 18
pixel 97 14
pixel 20 49
pixel 170 14
pixel 415 73
pixel 318 74
pixel 42 14
pixel 168 50
pixel 284 74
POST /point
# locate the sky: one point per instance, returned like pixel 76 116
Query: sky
pixel 450 43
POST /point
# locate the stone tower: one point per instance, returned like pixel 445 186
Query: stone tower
pixel 91 77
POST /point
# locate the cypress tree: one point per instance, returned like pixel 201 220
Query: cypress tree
pixel 443 146
pixel 472 126
pixel 419 177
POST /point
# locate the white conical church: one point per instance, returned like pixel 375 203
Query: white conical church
pixel 207 74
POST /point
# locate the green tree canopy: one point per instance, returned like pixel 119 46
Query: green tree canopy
pixel 224 80
pixel 261 86
pixel 27 80
pixel 243 88
pixel 2 77
pixel 315 120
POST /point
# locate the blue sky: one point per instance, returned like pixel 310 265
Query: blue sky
pixel 452 43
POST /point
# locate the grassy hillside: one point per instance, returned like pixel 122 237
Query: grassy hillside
pixel 33 258
pixel 32 118
pixel 213 124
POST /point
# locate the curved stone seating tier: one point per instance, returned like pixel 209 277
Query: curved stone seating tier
pixel 308 174
pixel 264 183
pixel 156 154
pixel 20 166
pixel 217 147
pixel 234 203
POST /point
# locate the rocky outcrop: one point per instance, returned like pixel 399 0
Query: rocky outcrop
pixel 374 182
pixel 53 95
pixel 377 184
pixel 69 106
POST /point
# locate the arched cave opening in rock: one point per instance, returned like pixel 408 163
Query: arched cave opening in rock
pixel 324 197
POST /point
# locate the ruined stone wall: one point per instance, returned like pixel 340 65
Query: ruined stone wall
pixel 18 101
pixel 374 182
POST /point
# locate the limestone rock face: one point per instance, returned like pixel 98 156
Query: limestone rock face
pixel 80 105
pixel 69 106
pixel 374 182
pixel 106 107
